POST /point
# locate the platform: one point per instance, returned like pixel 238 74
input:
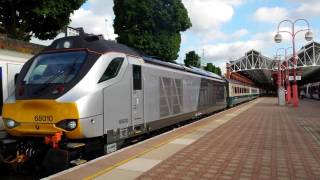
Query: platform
pixel 256 140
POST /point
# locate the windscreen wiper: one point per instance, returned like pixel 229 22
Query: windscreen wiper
pixel 71 68
pixel 47 82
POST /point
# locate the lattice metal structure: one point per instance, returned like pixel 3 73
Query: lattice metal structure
pixel 259 68
pixel 309 60
pixel 254 66
pixel 251 61
pixel 309 55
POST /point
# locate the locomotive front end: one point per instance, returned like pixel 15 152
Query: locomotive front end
pixel 42 124
pixel 41 118
pixel 34 110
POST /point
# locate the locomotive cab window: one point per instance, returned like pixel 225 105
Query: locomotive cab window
pixel 112 70
pixel 55 67
pixel 136 72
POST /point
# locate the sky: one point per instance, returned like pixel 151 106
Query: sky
pixel 222 30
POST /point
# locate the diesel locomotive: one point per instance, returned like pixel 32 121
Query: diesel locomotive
pixel 84 95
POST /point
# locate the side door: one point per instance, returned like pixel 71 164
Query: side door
pixel 3 93
pixel 137 100
pixel 3 85
pixel 116 93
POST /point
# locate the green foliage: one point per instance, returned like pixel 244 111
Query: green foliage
pixel 152 26
pixel 20 19
pixel 212 68
pixel 192 59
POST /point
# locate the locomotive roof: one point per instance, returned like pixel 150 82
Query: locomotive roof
pixel 98 44
pixel 191 69
pixel 92 42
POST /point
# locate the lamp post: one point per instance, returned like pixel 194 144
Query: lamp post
pixel 281 91
pixel 293 33
pixel 286 79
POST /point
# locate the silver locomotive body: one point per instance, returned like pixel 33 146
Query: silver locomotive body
pixel 142 97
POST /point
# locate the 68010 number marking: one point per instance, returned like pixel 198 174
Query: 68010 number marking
pixel 43 118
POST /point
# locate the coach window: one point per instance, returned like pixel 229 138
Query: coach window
pixel 112 70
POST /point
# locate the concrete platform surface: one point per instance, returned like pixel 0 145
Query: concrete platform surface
pixel 257 140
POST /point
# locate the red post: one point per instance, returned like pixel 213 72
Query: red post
pixel 295 94
pixel 287 74
pixel 288 92
pixel 288 83
pixel 294 86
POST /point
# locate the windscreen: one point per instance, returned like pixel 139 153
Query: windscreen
pixel 55 67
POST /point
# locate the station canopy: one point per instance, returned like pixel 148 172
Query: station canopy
pixel 260 68
pixel 254 66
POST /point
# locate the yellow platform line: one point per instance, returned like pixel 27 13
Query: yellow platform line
pixel 104 171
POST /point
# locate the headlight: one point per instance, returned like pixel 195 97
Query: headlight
pixel 68 124
pixel 66 44
pixel 10 123
pixel 71 125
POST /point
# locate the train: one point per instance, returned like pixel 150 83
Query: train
pixel 84 95
pixel 239 92
pixel 8 69
pixel 310 90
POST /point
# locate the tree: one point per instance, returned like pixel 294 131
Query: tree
pixel 20 19
pixel 212 68
pixel 151 26
pixel 192 59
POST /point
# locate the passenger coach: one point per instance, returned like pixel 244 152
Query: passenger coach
pixel 310 90
pixel 239 92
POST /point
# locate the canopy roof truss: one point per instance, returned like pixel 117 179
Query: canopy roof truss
pixel 254 66
pixel 259 68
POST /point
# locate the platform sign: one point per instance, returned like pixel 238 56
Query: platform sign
pixel 291 78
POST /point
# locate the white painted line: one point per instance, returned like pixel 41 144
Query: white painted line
pixel 206 129
pixel 223 119
pixel 139 164
pixel 232 114
pixel 182 141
